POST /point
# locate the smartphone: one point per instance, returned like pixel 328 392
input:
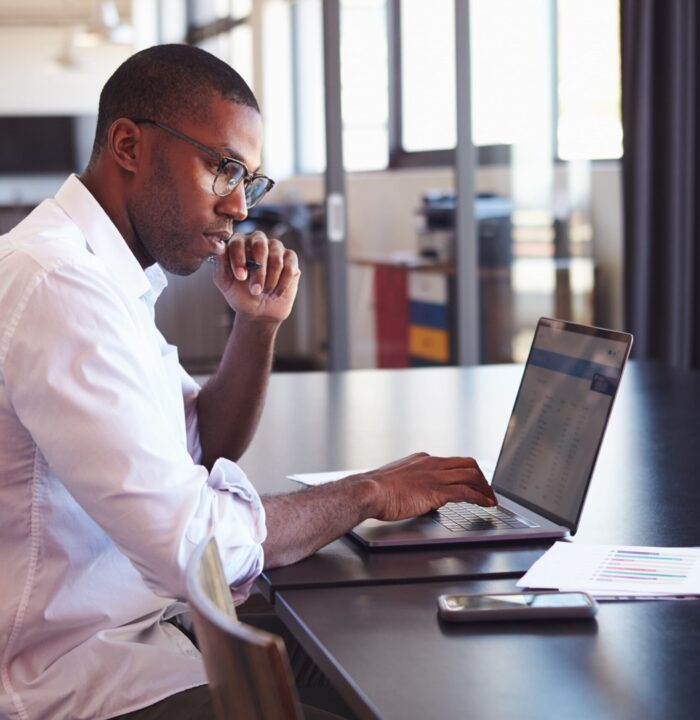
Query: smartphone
pixel 516 606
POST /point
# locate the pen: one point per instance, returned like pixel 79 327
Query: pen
pixel 250 264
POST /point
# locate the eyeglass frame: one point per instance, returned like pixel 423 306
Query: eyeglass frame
pixel 224 160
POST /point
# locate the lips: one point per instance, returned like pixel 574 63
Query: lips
pixel 218 240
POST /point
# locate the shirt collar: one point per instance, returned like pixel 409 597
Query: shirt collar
pixel 106 242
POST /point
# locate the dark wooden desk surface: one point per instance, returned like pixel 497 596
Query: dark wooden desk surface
pixel 643 489
pixel 321 421
pixel 390 656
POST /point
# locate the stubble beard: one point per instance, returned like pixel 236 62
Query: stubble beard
pixel 159 225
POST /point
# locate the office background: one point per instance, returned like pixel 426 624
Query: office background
pixel 390 86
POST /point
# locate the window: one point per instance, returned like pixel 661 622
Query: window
pixel 203 12
pixel 548 69
pixel 222 28
pixel 308 67
pixel 365 98
pixel 364 68
pixel 427 51
pixel 277 101
pixel 536 66
pixel 588 62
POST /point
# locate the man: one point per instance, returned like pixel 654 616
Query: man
pixel 113 463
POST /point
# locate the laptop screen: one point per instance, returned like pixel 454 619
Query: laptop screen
pixel 559 417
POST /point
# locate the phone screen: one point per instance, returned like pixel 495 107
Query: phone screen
pixel 503 602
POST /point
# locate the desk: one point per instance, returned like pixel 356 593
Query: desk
pixel 390 657
pixel 643 489
pixel 365 418
pixel 369 618
pixel 320 421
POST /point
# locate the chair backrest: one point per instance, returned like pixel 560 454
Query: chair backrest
pixel 247 669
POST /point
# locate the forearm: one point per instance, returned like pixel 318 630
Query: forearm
pixel 301 523
pixel 230 404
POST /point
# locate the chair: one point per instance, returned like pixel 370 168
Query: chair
pixel 247 669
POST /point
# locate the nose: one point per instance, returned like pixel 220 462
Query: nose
pixel 234 205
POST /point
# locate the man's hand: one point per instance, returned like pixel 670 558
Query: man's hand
pixel 230 404
pixel 420 483
pixel 300 523
pixel 266 294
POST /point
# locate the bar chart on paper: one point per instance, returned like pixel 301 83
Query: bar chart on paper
pixel 645 569
pixel 635 567
pixel 622 570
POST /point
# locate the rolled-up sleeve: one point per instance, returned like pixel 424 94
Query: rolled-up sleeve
pixel 85 378
pixel 239 542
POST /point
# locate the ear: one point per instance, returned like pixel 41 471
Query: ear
pixel 125 144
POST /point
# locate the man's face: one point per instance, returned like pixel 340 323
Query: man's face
pixel 176 216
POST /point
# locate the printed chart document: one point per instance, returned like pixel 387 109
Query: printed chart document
pixel 617 571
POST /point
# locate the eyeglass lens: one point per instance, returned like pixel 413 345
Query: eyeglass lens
pixel 255 190
pixel 231 174
pixel 228 177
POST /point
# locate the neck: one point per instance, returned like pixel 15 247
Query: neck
pixel 111 196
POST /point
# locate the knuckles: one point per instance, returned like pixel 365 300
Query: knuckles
pixel 275 262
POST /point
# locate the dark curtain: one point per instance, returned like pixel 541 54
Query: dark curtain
pixel 661 172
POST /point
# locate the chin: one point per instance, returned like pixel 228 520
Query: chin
pixel 181 266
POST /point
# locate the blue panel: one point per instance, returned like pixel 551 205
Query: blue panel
pixel 428 314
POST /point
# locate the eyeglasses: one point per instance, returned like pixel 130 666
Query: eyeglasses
pixel 229 172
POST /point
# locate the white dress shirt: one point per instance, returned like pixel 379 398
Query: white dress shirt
pixel 101 497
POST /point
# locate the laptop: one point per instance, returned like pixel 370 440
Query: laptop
pixel 549 451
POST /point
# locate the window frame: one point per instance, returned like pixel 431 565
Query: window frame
pixel 197 32
pixel 486 155
pixel 399 157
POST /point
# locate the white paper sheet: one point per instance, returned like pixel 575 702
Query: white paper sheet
pixel 608 571
pixel 322 477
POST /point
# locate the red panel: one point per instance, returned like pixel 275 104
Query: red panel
pixel 391 316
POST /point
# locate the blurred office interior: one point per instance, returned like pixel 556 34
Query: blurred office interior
pixel 369 196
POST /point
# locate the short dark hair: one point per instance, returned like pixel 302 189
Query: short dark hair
pixel 166 82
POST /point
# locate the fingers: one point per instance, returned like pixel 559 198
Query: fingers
pixel 461 493
pixel 469 485
pixel 288 273
pixel 266 253
pixel 431 463
pixel 279 266
pixel 466 470
pixel 420 482
pixel 237 248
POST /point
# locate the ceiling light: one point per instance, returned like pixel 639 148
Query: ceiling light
pixel 105 25
pixel 67 58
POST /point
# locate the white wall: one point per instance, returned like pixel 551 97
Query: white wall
pixel 34 84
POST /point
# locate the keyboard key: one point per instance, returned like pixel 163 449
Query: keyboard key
pixel 457 517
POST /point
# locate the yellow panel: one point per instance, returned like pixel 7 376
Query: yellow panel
pixel 429 343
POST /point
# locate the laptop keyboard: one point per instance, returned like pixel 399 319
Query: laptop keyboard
pixel 458 517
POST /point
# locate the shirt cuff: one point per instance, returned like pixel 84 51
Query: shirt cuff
pixel 230 509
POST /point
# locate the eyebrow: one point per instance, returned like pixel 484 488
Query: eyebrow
pixel 230 152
